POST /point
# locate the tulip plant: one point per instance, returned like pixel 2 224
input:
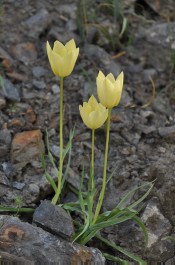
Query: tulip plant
pixel 62 60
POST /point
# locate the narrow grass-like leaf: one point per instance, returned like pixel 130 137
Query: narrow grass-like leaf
pixel 115 259
pixel 51 181
pixel 111 175
pixel 143 227
pixel 94 229
pixel 171 238
pixel 123 202
pixel 43 163
pixel 141 198
pixel 69 144
pixel 85 227
pixel 19 210
pixel 69 150
pixel 152 96
pixel 122 250
pixel 124 26
pixel 80 195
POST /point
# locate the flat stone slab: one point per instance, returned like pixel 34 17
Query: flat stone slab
pixel 29 244
pixel 54 219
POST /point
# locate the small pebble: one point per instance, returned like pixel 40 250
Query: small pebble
pixel 55 89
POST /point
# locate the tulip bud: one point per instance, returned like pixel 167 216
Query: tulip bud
pixel 93 114
pixel 109 90
pixel 62 58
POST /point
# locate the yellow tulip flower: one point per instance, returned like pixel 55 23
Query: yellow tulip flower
pixel 109 90
pixel 93 114
pixel 63 57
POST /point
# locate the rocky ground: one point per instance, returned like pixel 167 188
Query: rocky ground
pixel 142 141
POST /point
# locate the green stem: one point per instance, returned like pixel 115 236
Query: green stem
pixel 91 184
pixel 101 196
pixel 92 161
pixel 56 197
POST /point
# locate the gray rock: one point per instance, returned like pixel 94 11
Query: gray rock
pixel 4 54
pixel 162 105
pixel 147 129
pixel 2 102
pixel 54 219
pixel 147 74
pixel 100 57
pixel 55 150
pixel 69 10
pixel 3 179
pixel 163 34
pixel 8 169
pixel 158 227
pixel 3 150
pixel 159 39
pixel 5 140
pixel 25 146
pixel 71 25
pixel 40 247
pixel 18 185
pixel 7 258
pixel 55 89
pixel 25 52
pixel 9 91
pixel 167 132
pixel 5 136
pixel 39 71
pixel 37 23
pixel 73 178
pixel 34 189
pixel 39 84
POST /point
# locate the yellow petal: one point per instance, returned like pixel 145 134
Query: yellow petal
pixel 87 108
pixel 51 56
pixel 59 48
pixel 85 117
pixel 49 50
pixel 70 45
pixel 56 63
pixel 62 58
pixel 107 95
pixel 119 87
pixel 93 102
pixel 93 113
pixel 68 63
pixel 96 119
pixel 100 80
pixel 111 77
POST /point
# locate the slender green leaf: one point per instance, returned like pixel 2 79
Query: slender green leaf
pixel 80 195
pixel 111 175
pixel 85 227
pixel 51 181
pixel 122 250
pixel 69 144
pixel 69 149
pixel 19 210
pixel 51 159
pixel 43 163
pixel 123 202
pixel 143 227
pixel 95 228
pixel 113 258
pixel 169 238
pixel 142 198
pixel 124 27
